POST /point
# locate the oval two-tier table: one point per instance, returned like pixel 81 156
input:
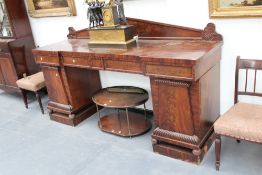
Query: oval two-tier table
pixel 126 124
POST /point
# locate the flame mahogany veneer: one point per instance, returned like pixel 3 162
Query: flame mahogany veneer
pixel 183 65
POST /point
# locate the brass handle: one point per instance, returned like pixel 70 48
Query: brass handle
pixel 41 58
pixel 56 75
pixel 74 60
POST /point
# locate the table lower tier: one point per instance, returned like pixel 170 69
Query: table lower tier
pixel 116 123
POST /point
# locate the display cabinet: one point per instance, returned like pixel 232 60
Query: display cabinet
pixel 16 43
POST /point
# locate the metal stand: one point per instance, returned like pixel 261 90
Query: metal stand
pixel 126 123
pixel 145 111
pixel 118 116
pixel 97 109
pixel 127 118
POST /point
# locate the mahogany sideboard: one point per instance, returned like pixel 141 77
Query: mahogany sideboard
pixel 183 65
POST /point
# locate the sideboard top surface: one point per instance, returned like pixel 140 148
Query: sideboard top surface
pixel 180 51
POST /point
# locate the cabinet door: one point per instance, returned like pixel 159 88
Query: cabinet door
pixel 172 105
pixel 55 85
pixel 82 84
pixel 8 72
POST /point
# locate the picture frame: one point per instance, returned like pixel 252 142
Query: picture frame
pixel 235 8
pixel 48 8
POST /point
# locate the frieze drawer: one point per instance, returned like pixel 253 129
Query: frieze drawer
pixel 77 61
pixel 50 60
pixel 97 64
pixel 170 71
pixel 125 66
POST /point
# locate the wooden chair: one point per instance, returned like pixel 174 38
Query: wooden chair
pixel 244 120
pixel 33 83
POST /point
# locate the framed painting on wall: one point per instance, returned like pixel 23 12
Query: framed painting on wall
pixel 235 8
pixel 45 8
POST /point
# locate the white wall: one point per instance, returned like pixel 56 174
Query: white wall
pixel 241 36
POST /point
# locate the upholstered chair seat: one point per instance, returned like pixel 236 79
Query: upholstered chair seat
pixel 243 121
pixel 34 83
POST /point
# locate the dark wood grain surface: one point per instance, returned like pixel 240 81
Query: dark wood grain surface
pixel 171 51
pixel 183 65
pixel 167 58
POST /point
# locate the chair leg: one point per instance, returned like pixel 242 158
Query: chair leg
pixel 238 141
pixel 23 92
pixel 39 101
pixel 218 151
pixel 45 91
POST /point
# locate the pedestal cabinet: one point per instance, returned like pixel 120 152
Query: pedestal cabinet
pixel 16 43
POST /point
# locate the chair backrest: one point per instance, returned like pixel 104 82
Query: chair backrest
pixel 247 65
pixel 19 59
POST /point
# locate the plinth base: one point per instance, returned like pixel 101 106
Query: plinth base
pixel 61 116
pixel 189 155
pixel 117 124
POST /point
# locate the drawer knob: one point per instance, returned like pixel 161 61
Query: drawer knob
pixel 41 58
pixel 74 60
pixel 56 75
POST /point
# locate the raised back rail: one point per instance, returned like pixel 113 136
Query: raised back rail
pixel 154 30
